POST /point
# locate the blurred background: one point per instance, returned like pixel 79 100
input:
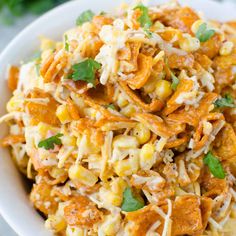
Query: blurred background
pixel 14 16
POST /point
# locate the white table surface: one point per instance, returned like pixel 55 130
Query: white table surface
pixel 6 34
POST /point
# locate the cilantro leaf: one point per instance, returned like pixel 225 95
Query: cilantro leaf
pixel 40 6
pixel 144 19
pixel 50 142
pixel 131 202
pixel 203 34
pixel 85 71
pixel 85 17
pixel 175 81
pixel 67 46
pixel 214 165
pixel 226 101
pixel 111 106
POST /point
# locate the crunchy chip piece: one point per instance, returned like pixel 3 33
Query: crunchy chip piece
pixel 158 125
pixel 180 62
pixel 212 46
pixel 182 19
pixel 186 216
pixel 100 21
pixel 73 109
pixel 13 76
pixel 155 105
pixel 13 139
pixel 41 197
pixel 225 144
pixel 40 112
pixel 54 65
pixel 211 185
pixel 206 210
pixel 203 60
pixel 143 73
pixel 184 86
pixel 144 218
pixel 82 212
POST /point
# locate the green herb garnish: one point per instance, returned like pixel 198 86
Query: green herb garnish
pixel 102 13
pixel 67 46
pixel 148 33
pixel 111 106
pixel 204 34
pixel 50 142
pixel 214 165
pixel 85 71
pixel 226 101
pixel 144 19
pixel 175 81
pixel 131 202
pixel 85 16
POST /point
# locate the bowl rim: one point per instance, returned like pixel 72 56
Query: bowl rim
pixel 20 36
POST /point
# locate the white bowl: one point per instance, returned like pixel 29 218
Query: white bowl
pixel 14 203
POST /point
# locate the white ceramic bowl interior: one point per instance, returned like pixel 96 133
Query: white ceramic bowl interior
pixel 14 203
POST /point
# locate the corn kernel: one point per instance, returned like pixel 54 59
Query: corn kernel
pixel 15 104
pixel 46 44
pixel 90 112
pixel 149 87
pixel 122 101
pixel 163 89
pixel 63 114
pixel 56 172
pixel 226 48
pixel 75 231
pixel 189 43
pixel 147 157
pixel 125 141
pixel 69 140
pixel 78 172
pixel 111 225
pixel 129 110
pixel 157 26
pixel 114 199
pixel 118 186
pixel 142 133
pixel 55 223
pixel 127 167
pixel 196 25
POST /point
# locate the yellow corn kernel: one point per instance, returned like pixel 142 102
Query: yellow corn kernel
pixel 125 141
pixel 122 101
pixel 63 114
pixel 163 89
pixel 118 185
pixel 69 140
pixel 114 198
pixel 111 225
pixel 75 231
pixel 90 112
pixel 149 87
pixel 189 43
pixel 127 167
pixel 142 133
pixel 43 129
pixel 46 44
pixel 196 25
pixel 157 26
pixel 147 157
pixel 78 172
pixel 226 48
pixel 56 172
pixel 15 104
pixel 55 223
pixel 129 110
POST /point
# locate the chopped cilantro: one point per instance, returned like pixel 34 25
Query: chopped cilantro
pixel 214 165
pixel 85 16
pixel 85 71
pixel 131 202
pixel 175 81
pixel 226 101
pixel 67 46
pixel 144 19
pixel 50 142
pixel 204 34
